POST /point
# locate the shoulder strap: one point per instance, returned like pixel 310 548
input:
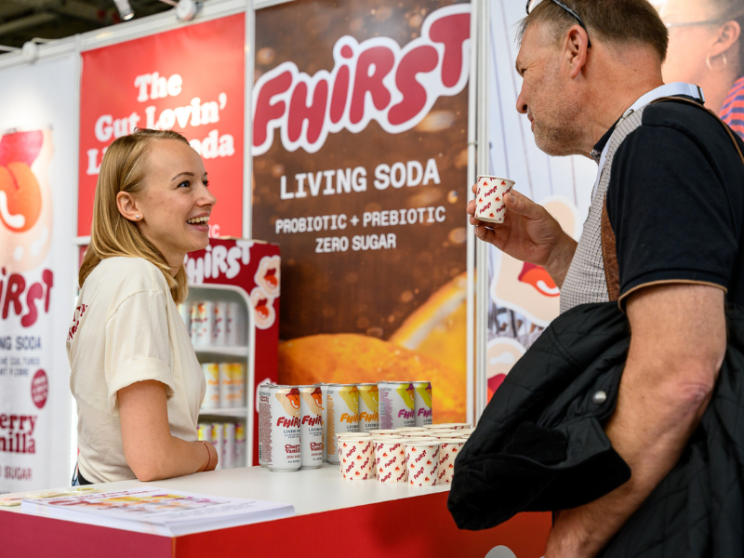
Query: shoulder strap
pixel 609 246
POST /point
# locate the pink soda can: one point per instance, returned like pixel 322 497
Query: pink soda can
pixel 397 405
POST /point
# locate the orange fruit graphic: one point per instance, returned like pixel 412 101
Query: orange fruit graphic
pixel 21 195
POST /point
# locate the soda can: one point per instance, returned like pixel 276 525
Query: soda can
pixel 311 427
pixel 204 432
pixel 324 389
pixel 369 407
pixel 240 447
pixel 343 415
pixel 232 385
pixel 219 324
pixel 397 404
pixel 235 325
pixel 264 425
pixel 212 376
pixel 228 450
pixel 422 402
pixel 194 321
pixel 218 441
pixel 284 418
pixel 204 325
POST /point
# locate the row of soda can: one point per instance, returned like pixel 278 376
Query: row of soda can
pixel 298 424
pixel 417 456
pixel 225 385
pixel 228 439
pixel 217 324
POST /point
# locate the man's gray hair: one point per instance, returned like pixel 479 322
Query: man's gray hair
pixel 612 21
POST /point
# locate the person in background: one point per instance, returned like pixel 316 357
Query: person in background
pixel 706 48
pixel 135 376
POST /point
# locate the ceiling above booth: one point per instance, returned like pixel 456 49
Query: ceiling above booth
pixel 24 20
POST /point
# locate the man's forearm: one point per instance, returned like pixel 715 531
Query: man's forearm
pixel 584 531
pixel 677 346
pixel 560 260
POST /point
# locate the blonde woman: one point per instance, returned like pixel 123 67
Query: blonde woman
pixel 135 377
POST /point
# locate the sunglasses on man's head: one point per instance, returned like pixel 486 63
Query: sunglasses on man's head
pixel 532 4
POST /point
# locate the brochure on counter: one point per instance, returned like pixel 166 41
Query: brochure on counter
pixel 157 511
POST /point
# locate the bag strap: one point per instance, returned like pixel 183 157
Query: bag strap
pixel 609 243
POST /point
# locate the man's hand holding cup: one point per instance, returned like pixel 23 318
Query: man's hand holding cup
pixel 519 227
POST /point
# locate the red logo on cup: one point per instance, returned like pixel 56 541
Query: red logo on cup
pixel 39 389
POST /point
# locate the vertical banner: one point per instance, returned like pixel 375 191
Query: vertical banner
pixel 190 80
pixel 360 174
pixel 523 299
pixel 37 268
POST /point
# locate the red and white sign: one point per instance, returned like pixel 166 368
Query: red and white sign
pixel 190 80
pixel 37 270
pixel 373 80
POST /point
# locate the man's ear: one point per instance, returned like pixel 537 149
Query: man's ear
pixel 127 205
pixel 576 48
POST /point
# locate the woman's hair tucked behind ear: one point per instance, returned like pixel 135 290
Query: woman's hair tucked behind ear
pixel 123 169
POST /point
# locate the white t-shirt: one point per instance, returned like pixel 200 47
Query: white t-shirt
pixel 126 329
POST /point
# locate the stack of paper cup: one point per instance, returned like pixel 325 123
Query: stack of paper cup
pixel 448 451
pixel 449 426
pixel 383 432
pixel 418 430
pixel 445 435
pixel 356 457
pixel 390 459
pixel 422 458
pixel 489 198
pixel 338 445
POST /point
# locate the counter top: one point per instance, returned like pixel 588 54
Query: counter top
pixel 308 490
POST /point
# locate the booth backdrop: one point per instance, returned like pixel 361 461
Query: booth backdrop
pixel 37 271
pixel 360 117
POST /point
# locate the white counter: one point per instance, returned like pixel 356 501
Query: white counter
pixel 309 491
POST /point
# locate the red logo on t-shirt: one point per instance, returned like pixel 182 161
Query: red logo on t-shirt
pixel 79 311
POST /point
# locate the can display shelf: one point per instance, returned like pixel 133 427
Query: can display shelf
pixel 222 351
pixel 235 412
pixel 380 519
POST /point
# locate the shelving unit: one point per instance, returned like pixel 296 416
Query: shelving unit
pixel 243 353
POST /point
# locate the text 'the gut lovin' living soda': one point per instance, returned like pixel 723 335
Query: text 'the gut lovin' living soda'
pixel 311 427
pixel 343 415
pixel 283 443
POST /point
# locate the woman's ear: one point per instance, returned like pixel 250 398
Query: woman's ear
pixel 127 205
pixel 728 35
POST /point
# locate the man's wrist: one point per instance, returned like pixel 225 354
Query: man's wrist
pixel 560 259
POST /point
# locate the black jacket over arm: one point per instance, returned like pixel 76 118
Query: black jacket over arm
pixel 540 445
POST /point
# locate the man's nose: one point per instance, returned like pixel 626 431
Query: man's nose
pixel 521 104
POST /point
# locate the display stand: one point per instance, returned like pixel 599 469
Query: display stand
pixel 244 353
pixel 335 517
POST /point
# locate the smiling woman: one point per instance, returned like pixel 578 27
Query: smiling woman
pixel 135 377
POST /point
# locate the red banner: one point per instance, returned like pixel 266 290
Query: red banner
pixel 190 80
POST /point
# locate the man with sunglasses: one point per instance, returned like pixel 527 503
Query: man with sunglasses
pixel 670 183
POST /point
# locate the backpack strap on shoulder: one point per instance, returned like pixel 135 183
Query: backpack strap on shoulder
pixel 609 244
